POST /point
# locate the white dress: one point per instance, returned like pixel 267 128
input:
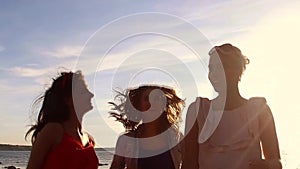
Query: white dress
pixel 235 140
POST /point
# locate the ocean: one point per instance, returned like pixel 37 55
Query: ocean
pixel 19 159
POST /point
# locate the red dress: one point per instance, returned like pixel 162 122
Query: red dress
pixel 70 154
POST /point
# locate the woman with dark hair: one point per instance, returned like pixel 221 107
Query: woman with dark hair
pixel 151 116
pixel 58 140
pixel 229 131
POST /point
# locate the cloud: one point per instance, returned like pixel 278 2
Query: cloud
pixel 173 44
pixel 28 72
pixel 38 72
pixel 63 52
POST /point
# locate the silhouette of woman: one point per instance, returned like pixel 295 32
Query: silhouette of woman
pixel 150 115
pixel 58 140
pixel 229 129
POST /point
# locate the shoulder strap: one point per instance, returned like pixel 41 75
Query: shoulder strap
pixel 207 119
pixel 257 105
pixel 202 109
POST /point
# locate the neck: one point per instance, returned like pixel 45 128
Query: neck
pixel 233 93
pixel 73 125
pixel 153 128
pixel 232 97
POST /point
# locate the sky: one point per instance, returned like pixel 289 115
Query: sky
pixel 127 43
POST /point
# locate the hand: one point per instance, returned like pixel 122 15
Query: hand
pixel 259 164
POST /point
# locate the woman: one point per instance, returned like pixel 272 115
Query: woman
pixel 150 115
pixel 229 129
pixel 58 138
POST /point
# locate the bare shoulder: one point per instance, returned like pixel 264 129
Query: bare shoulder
pixel 53 128
pixel 195 105
pixel 192 111
pixel 126 137
pixel 52 132
pixel 192 106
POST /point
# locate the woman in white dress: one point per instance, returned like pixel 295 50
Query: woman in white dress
pixel 230 132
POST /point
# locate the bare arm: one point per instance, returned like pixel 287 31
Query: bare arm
pixel 48 137
pixel 118 161
pixel 190 142
pixel 269 139
pixel 269 142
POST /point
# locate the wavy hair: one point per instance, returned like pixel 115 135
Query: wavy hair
pixel 124 109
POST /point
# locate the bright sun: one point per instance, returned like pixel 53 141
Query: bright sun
pixel 273 48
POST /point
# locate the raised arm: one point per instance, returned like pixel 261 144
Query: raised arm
pixel 48 137
pixel 190 142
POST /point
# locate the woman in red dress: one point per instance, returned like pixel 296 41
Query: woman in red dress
pixel 58 140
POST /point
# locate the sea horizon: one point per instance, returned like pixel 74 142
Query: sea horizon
pixel 17 147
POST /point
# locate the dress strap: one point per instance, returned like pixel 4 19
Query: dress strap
pixel 213 112
pixel 258 105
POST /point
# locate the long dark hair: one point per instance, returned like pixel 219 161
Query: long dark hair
pixel 54 106
pixel 124 109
